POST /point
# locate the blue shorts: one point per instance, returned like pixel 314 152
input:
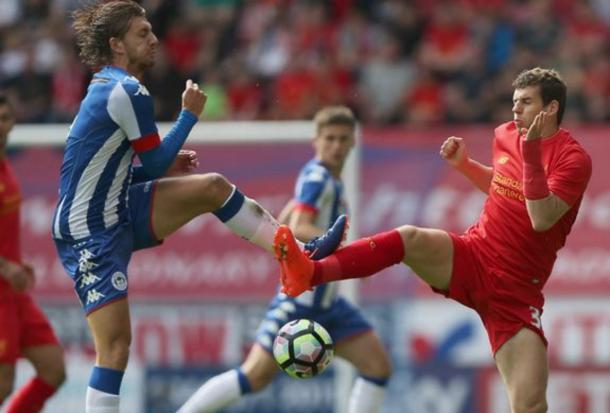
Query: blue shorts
pixel 341 319
pixel 98 265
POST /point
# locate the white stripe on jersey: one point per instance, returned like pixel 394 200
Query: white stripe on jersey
pixel 56 230
pixel 121 111
pixel 86 188
pixel 325 204
pixel 111 210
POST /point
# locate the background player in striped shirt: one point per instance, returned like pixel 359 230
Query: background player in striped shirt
pixel 499 265
pixel 24 329
pixel 318 202
pixel 109 208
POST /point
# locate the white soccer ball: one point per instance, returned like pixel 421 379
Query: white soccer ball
pixel 303 348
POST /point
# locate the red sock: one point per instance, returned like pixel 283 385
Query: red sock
pixel 31 397
pixel 360 259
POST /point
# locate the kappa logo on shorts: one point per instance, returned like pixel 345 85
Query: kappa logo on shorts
pixel 88 279
pixel 119 281
pixel 93 296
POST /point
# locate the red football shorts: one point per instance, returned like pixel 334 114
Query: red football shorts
pixel 506 303
pixel 22 325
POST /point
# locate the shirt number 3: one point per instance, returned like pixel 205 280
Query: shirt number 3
pixel 535 317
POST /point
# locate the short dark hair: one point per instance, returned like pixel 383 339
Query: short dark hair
pixel 551 85
pixel 334 115
pixel 97 22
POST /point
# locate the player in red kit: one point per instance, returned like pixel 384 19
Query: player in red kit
pixel 24 330
pixel 498 266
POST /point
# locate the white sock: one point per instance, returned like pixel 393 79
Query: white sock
pixel 99 402
pixel 218 392
pixel 366 397
pixel 255 224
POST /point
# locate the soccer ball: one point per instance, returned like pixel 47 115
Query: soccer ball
pixel 303 348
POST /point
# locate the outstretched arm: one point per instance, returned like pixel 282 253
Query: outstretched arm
pixel 185 162
pixel 453 150
pixel 160 157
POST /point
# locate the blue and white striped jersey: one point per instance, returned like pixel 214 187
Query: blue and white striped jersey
pixel 320 193
pixel 115 121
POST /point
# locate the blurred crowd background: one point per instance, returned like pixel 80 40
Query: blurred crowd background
pixel 392 61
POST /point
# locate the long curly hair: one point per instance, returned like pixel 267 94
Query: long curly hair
pixel 97 22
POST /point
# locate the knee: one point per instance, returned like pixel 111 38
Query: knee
pixel 215 188
pixel 409 234
pixel 259 378
pixel 384 369
pixel 535 406
pixel 114 353
pixel 378 368
pixel 54 373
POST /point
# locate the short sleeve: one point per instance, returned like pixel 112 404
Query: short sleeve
pixel 131 107
pixel 569 179
pixel 310 187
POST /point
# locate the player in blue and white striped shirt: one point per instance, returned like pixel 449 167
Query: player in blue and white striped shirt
pixel 318 202
pixel 109 208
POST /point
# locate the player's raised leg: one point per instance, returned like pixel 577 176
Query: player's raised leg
pixel 428 252
pixel 179 200
pixel 523 364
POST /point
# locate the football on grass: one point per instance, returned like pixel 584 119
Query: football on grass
pixel 303 348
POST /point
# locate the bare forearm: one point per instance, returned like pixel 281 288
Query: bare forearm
pixel 303 226
pixel 543 207
pixel 477 173
pixel 544 213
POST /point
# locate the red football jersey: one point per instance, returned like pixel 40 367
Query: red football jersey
pixel 504 233
pixel 10 202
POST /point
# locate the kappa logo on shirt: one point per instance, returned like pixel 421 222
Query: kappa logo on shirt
pixel 93 296
pixel 142 91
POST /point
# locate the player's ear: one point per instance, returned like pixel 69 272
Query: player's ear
pixel 116 45
pixel 552 108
